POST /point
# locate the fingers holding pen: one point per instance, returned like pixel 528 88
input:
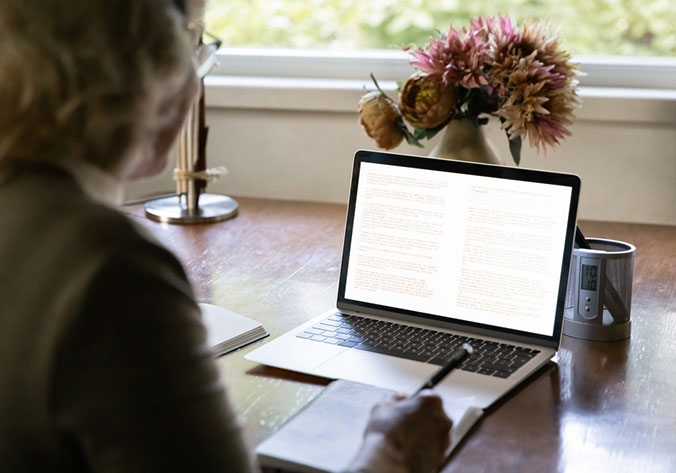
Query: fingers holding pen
pixel 416 427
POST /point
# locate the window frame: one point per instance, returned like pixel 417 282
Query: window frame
pixel 613 90
pixel 653 73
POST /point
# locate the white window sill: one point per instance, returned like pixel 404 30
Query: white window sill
pixel 613 104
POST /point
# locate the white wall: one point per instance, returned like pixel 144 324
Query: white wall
pixel 284 144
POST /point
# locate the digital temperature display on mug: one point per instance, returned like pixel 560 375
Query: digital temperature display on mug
pixel 589 279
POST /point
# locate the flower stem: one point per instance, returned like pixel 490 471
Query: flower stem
pixel 373 78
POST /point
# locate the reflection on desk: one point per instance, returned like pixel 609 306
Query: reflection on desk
pixel 602 407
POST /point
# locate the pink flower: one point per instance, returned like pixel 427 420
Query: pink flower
pixel 490 27
pixel 537 80
pixel 457 60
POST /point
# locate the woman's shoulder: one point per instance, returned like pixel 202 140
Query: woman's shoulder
pixel 45 215
pixel 53 206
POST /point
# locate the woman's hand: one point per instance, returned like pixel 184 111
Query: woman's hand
pixel 405 435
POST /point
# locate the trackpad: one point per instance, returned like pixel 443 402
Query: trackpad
pixel 384 371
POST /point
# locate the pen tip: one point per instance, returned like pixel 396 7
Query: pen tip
pixel 468 348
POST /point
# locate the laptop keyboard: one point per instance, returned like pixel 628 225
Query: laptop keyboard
pixel 414 343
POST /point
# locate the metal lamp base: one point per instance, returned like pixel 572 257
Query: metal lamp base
pixel 212 208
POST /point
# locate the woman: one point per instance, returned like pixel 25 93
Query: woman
pixel 103 362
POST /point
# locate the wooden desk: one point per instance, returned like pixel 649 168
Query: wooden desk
pixel 603 407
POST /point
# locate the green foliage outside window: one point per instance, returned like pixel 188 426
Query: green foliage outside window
pixel 598 27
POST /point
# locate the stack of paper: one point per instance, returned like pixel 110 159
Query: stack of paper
pixel 227 331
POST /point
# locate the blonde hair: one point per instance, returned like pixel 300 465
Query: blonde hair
pixel 88 79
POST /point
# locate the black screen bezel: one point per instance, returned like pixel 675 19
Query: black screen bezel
pixel 462 167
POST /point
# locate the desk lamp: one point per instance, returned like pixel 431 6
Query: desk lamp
pixel 191 204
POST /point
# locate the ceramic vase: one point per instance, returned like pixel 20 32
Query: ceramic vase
pixel 464 141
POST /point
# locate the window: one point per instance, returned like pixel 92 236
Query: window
pixel 589 27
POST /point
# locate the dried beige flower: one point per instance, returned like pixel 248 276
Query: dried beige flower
pixel 378 114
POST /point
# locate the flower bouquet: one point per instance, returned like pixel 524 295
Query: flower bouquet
pixel 519 74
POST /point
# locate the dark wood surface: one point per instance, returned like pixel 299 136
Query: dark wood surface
pixel 602 407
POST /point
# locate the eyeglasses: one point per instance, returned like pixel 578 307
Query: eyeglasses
pixel 205 53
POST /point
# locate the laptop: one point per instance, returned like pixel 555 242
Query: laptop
pixel 438 253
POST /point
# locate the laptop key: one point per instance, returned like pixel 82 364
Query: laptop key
pixel 304 335
pixel 494 367
pixel 485 371
pixel 332 341
pixel 347 343
pixel 426 354
pixel 412 356
pixel 386 351
pixel 520 360
pixel 373 348
pixel 387 344
pixel 323 327
pixel 438 361
pixel 524 352
pixel 318 338
pixel 313 331
pixel 331 322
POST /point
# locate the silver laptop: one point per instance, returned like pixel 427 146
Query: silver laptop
pixel 438 253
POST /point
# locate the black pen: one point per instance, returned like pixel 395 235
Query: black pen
pixel 458 357
pixel 581 240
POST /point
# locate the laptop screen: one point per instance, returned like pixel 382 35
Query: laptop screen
pixel 479 245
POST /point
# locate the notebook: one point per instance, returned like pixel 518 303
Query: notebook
pixel 438 253
pixel 227 331
pixel 326 434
